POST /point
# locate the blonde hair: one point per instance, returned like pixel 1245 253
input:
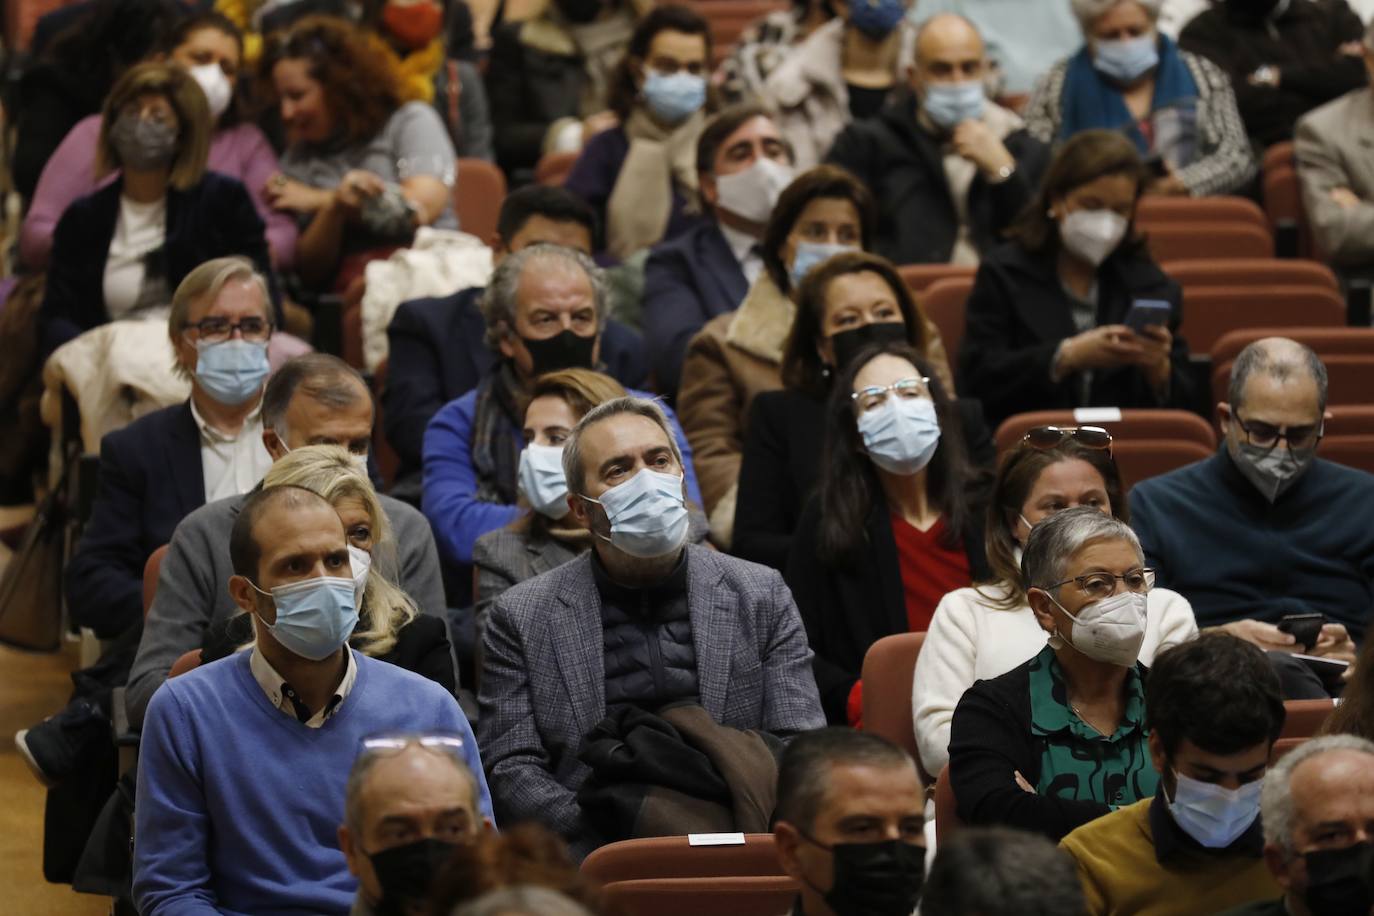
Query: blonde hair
pixel 184 94
pixel 329 471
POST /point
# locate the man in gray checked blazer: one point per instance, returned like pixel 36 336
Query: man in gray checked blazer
pixel 642 619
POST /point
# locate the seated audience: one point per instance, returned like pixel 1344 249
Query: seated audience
pixel 162 466
pixel 640 175
pixel 764 44
pixel 121 251
pixel 1046 316
pixel 677 622
pixel 895 523
pixel 844 71
pixel 1023 40
pixel 849 824
pixel 993 871
pixel 1214 712
pixel 1318 810
pixel 853 301
pixel 438 347
pixel 1284 57
pixel 523 856
pixel 1175 106
pixel 210 48
pixel 1062 739
pixel 1337 179
pixel 224 821
pixel 742 164
pixel 312 400
pixel 361 170
pixel 545 310
pixel 549 77
pixel 1282 530
pixel 981 632
pixel 951 168
pixel 411 802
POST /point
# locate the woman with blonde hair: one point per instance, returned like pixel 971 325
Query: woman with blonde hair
pixel 390 627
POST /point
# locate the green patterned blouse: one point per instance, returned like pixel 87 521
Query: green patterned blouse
pixel 1078 763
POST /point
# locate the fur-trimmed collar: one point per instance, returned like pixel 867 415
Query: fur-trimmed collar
pixel 762 321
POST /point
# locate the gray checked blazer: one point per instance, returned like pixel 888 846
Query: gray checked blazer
pixel 543 677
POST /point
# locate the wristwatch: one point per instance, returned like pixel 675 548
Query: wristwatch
pixel 1266 74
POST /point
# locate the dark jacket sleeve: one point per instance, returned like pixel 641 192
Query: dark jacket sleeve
pixel 763 532
pixel 594 174
pixel 1010 197
pixel 414 382
pixel 519 138
pixel 422 646
pixel 989 743
pixel 622 350
pixel 67 309
pixel 673 314
pixel 1322 79
pixel 243 231
pixel 813 588
pixel 853 150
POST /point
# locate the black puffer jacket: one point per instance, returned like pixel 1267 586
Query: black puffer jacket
pixel 647 633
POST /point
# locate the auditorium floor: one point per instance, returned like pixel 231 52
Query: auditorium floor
pixel 31 687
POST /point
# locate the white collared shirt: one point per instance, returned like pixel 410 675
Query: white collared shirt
pixel 231 464
pixel 747 251
pixel 280 693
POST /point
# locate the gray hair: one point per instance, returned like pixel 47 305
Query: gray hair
pixel 522 900
pixel 573 470
pixel 363 766
pixel 203 284
pixel 1089 11
pixel 806 764
pixel 1277 810
pixel 1281 359
pixel 319 376
pixel 1057 539
pixel 499 301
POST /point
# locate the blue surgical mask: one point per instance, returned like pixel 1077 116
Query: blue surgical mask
pixel 1127 59
pixel 876 18
pixel 951 104
pixel 1214 815
pixel 672 99
pixel 901 434
pixel 231 371
pixel 809 254
pixel 647 513
pixel 314 616
pixel 541 480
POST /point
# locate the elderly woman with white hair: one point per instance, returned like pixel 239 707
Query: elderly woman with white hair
pixel 1177 107
pixel 1061 739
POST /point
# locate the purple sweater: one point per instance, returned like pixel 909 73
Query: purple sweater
pixel 240 152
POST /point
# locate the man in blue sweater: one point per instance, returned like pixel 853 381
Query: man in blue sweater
pixel 1265 529
pixel 243 762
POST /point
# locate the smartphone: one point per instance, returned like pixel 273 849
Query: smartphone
pixel 1147 312
pixel 1305 628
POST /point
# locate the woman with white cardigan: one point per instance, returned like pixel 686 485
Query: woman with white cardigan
pixel 986 630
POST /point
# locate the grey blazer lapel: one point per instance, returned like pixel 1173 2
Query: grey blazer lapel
pixel 714 620
pixel 579 649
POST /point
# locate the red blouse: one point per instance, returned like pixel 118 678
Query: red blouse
pixel 930 570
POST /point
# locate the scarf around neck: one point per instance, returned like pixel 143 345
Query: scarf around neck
pixel 1091 100
pixel 660 160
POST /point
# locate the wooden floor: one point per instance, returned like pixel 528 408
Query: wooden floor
pixel 31 687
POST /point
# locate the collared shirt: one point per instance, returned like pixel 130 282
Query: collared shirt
pixel 1078 762
pixel 746 250
pixel 231 465
pixel 284 697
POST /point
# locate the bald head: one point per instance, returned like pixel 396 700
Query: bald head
pixel 1277 362
pixel 948 50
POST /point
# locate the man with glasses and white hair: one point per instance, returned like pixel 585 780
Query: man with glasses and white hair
pixel 1318 811
pixel 1265 529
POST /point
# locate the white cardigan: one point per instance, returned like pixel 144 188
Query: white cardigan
pixel 970 640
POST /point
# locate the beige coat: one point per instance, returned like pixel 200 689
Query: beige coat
pixel 733 358
pixel 1334 146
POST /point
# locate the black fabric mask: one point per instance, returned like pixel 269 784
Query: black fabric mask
pixel 405 873
pixel 1251 10
pixel 1338 881
pixel 580 11
pixel 848 344
pixel 875 879
pixel 564 350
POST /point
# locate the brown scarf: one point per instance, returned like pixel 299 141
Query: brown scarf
pixel 660 159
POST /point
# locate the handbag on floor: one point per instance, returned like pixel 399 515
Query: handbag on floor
pixel 31 585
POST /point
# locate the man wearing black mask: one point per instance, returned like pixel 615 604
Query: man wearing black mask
pixel 545 309
pixel 1318 811
pixel 850 824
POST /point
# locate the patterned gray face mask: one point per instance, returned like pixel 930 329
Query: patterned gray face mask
pixel 1274 470
pixel 143 143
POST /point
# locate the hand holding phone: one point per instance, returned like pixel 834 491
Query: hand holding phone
pixel 1305 628
pixel 1145 312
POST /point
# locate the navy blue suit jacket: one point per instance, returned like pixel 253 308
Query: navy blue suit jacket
pixel 438 353
pixel 688 280
pixel 150 478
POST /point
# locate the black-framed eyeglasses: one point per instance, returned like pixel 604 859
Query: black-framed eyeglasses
pixel 218 330
pixel 392 743
pixel 1047 437
pixel 1265 436
pixel 1101 585
pixel 906 388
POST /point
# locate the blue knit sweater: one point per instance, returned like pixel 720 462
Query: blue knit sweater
pixel 239 805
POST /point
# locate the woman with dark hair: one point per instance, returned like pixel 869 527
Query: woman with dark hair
pixel 1354 714
pixel 984 631
pixel 210 48
pixel 895 523
pixel 641 174
pixel 362 171
pixel 1052 322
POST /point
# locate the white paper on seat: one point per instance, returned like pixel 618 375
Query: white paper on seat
pixel 715 839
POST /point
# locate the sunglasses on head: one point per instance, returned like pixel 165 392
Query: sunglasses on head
pixel 1047 437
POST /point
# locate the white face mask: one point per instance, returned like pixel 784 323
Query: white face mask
pixel 1214 815
pixel 541 480
pixel 1110 631
pixel 216 86
pixel 752 193
pixel 361 561
pixel 1092 234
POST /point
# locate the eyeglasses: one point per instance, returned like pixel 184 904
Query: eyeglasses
pixel 1103 585
pixel 1265 436
pixel 218 330
pixel 391 744
pixel 1047 437
pixel 906 388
